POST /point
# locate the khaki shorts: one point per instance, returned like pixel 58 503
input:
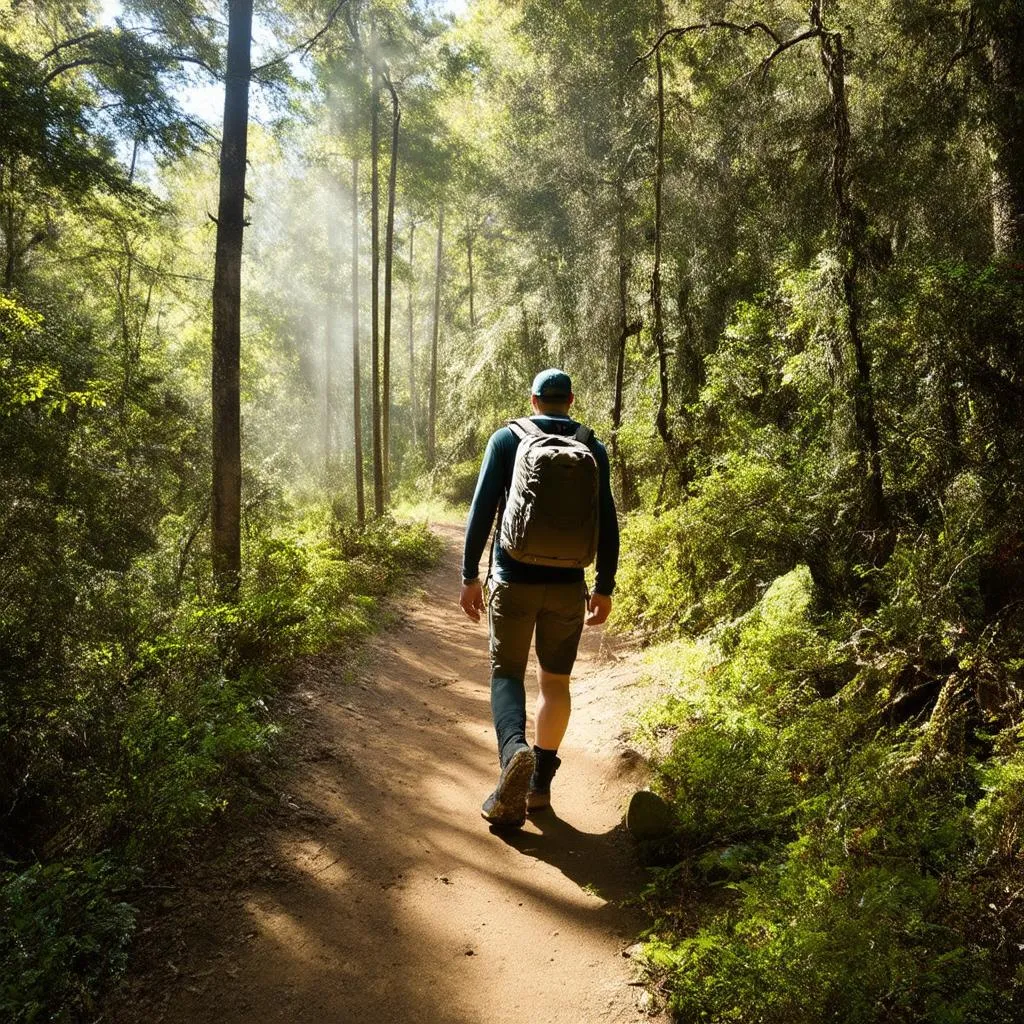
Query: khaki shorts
pixel 513 609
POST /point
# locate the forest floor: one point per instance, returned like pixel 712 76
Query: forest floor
pixel 375 892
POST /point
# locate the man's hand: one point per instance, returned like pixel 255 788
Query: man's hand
pixel 471 598
pixel 600 606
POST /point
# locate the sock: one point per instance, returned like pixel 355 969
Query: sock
pixel 508 709
pixel 547 764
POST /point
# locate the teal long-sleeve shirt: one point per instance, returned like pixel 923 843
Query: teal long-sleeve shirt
pixel 492 489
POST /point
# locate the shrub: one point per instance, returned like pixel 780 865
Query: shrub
pixel 867 854
pixel 139 734
pixel 64 930
pixel 712 555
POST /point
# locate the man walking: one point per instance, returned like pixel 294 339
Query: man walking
pixel 550 478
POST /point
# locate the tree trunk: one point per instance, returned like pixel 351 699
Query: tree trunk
pixel 626 329
pixel 658 329
pixel 10 256
pixel 1006 56
pixel 357 409
pixel 432 395
pixel 11 225
pixel 850 229
pixel 226 541
pixel 328 385
pixel 389 255
pixel 414 410
pixel 376 440
pixel 329 359
pixel 469 260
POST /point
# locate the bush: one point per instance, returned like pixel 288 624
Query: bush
pixel 712 555
pixel 118 752
pixel 456 483
pixel 64 930
pixel 867 853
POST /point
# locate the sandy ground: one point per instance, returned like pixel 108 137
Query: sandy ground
pixel 376 893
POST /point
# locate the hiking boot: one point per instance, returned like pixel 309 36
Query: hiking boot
pixel 506 806
pixel 539 794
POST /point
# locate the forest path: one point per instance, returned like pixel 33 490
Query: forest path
pixel 379 894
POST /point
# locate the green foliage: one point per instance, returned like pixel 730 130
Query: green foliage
pixel 868 859
pixel 708 557
pixel 64 929
pixel 456 484
pixel 177 705
pixel 130 704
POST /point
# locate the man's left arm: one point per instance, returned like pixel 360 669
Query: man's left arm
pixel 607 543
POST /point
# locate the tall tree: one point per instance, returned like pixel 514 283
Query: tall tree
pixel 469 264
pixel 658 326
pixel 1003 29
pixel 329 315
pixel 226 547
pixel 357 410
pixel 626 329
pixel 389 254
pixel 435 331
pixel 375 398
pixel 413 403
pixel 851 223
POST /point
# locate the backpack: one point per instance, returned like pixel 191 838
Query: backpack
pixel 551 513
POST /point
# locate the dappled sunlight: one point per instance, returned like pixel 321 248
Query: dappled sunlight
pixel 389 898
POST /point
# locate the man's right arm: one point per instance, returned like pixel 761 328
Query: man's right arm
pixel 490 486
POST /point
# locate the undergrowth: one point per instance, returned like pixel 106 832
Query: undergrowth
pixel 144 729
pixel 843 851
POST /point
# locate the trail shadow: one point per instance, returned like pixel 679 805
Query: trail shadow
pixel 604 863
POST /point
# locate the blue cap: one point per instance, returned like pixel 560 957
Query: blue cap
pixel 552 384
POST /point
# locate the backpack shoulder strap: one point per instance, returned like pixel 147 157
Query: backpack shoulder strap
pixel 525 427
pixel 584 435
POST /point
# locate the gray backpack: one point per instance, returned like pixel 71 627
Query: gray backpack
pixel 550 515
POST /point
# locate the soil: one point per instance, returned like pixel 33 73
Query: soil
pixel 375 892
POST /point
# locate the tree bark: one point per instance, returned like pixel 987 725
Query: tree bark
pixel 1006 98
pixel 226 541
pixel 850 229
pixel 469 260
pixel 389 254
pixel 328 433
pixel 626 330
pixel 658 328
pixel 435 330
pixel 376 440
pixel 357 409
pixel 329 358
pixel 414 410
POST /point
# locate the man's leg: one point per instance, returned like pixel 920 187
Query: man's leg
pixel 559 625
pixel 554 705
pixel 511 613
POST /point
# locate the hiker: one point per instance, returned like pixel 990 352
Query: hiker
pixel 549 477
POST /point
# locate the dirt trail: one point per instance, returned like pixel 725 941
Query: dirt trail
pixel 378 894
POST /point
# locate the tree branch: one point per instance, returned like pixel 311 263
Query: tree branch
pixel 184 58
pixel 810 33
pixel 703 26
pixel 967 46
pixel 308 45
pixel 72 64
pixel 390 87
pixel 84 38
